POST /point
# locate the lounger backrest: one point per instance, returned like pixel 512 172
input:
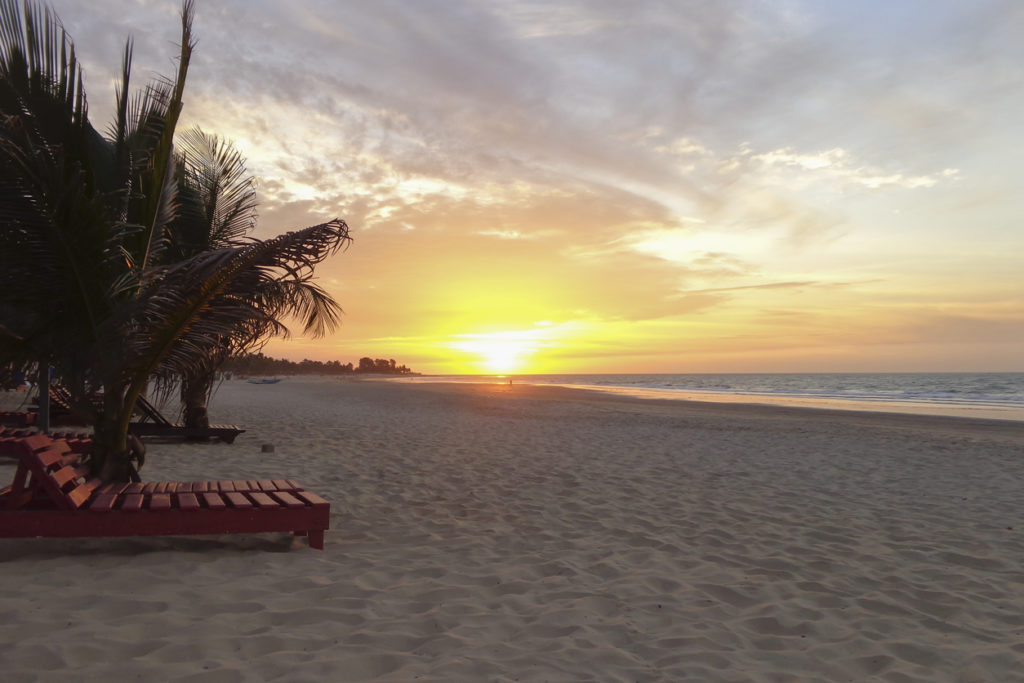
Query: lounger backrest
pixel 58 472
pixel 35 443
pixel 60 397
pixel 149 412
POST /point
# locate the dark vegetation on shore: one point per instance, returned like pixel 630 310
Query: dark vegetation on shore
pixel 258 364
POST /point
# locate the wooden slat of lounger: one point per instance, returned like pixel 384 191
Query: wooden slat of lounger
pixel 310 498
pixel 149 488
pixel 132 502
pixel 80 445
pixel 116 488
pixel 188 501
pixel 225 486
pixel 283 485
pixel 242 485
pixel 160 501
pixel 83 445
pixel 288 500
pixel 264 502
pixel 31 444
pixel 253 485
pixel 64 475
pixel 213 500
pixel 51 456
pixel 70 458
pixel 83 492
pixel 104 502
pixel 238 500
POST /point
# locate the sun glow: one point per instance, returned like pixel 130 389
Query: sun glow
pixel 500 352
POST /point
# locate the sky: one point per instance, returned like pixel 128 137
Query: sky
pixel 605 186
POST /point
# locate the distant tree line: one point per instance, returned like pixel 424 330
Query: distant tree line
pixel 258 364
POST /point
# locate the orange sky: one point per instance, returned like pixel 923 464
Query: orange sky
pixel 637 187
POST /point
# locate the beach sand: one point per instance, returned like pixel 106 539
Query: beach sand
pixel 517 533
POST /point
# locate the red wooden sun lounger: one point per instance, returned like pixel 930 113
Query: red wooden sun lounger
pixel 52 496
pixel 153 423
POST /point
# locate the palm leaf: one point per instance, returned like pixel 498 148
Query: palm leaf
pixel 189 309
pixel 217 196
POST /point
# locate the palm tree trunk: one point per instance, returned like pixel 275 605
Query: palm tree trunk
pixel 43 423
pixel 195 393
pixel 109 456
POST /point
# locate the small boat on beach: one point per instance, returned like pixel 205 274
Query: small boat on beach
pixel 264 380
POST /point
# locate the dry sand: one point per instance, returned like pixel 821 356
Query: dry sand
pixel 497 533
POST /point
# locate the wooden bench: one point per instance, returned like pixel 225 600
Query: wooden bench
pixel 52 496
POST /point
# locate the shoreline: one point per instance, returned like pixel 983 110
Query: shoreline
pixel 886 406
pixel 964 425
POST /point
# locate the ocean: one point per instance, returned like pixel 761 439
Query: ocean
pixel 997 395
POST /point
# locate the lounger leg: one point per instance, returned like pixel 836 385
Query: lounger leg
pixel 316 539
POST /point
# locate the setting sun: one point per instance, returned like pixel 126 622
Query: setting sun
pixel 499 352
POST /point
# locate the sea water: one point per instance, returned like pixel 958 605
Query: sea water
pixel 986 395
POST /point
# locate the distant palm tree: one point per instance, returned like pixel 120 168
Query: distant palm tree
pixel 87 284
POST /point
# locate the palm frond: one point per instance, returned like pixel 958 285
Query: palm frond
pixel 54 238
pixel 37 59
pixel 159 198
pixel 304 300
pixel 188 310
pixel 217 196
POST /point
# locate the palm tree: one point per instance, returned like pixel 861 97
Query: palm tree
pixel 217 208
pixel 85 285
pixel 185 311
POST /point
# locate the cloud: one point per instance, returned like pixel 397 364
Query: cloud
pixel 767 285
pixel 837 165
pixel 627 163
